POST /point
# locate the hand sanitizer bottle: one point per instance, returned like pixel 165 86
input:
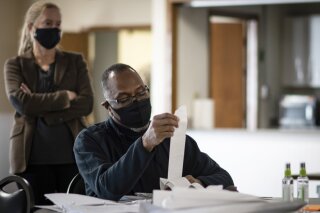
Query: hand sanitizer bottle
pixel 303 184
pixel 287 184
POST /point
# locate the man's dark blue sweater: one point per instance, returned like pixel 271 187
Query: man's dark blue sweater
pixel 114 163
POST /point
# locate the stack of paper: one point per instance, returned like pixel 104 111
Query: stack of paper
pixel 215 200
pixel 76 203
pixel 187 198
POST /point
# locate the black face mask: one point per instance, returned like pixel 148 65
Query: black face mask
pixel 47 37
pixel 135 115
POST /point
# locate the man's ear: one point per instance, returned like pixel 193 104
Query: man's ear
pixel 108 107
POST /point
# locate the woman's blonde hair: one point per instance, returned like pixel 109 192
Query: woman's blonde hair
pixel 32 14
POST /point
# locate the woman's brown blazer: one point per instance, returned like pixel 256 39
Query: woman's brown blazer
pixel 70 74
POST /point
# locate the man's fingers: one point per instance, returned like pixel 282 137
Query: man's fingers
pixel 164 135
pixel 167 128
pixel 165 115
pixel 164 122
pixel 190 178
pixel 161 127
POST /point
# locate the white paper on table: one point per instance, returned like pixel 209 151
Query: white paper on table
pixel 190 198
pixel 159 195
pixel 119 208
pixel 183 192
pixel 63 199
pixel 54 208
pixel 215 200
pixel 76 203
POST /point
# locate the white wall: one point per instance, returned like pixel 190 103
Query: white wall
pixel 270 66
pixel 134 47
pixel 256 160
pixel 5 126
pixel 9 19
pixel 192 61
pixel 8 41
pixel 106 54
pixel 81 14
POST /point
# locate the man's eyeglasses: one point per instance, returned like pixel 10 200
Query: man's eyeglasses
pixel 143 94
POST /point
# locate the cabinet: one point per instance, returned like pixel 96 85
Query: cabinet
pixel 301 54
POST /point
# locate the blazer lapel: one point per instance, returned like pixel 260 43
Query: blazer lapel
pixel 29 70
pixel 60 68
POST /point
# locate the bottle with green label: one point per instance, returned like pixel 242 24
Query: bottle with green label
pixel 287 184
pixel 303 184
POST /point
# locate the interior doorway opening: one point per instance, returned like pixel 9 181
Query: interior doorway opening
pixel 234 72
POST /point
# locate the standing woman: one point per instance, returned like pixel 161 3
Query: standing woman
pixel 51 92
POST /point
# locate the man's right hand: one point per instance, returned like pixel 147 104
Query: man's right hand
pixel 162 126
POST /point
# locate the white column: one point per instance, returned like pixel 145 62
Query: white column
pixel 252 75
pixel 161 80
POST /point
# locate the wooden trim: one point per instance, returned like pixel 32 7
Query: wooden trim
pixel 174 68
pixel 116 28
pixel 230 13
pixel 179 1
pixel 210 94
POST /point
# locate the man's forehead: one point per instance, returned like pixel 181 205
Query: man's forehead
pixel 123 75
pixel 122 81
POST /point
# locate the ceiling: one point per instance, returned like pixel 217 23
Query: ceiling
pixel 223 3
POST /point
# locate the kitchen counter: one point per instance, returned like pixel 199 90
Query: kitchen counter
pixel 256 159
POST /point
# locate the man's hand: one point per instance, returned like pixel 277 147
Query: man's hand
pixel 162 126
pixel 191 179
pixel 231 188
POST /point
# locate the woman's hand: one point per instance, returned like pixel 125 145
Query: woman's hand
pixel 71 95
pixel 25 88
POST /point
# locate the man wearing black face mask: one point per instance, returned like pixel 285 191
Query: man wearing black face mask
pixel 128 153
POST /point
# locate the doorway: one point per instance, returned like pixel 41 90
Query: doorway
pixel 227 71
pixel 233 72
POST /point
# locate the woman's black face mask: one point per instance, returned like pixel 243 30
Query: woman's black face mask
pixel 48 37
pixel 135 115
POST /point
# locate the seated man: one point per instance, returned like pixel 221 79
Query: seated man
pixel 128 153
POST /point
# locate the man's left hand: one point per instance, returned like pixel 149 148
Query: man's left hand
pixel 191 179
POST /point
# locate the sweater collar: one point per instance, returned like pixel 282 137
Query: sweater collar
pixel 121 130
